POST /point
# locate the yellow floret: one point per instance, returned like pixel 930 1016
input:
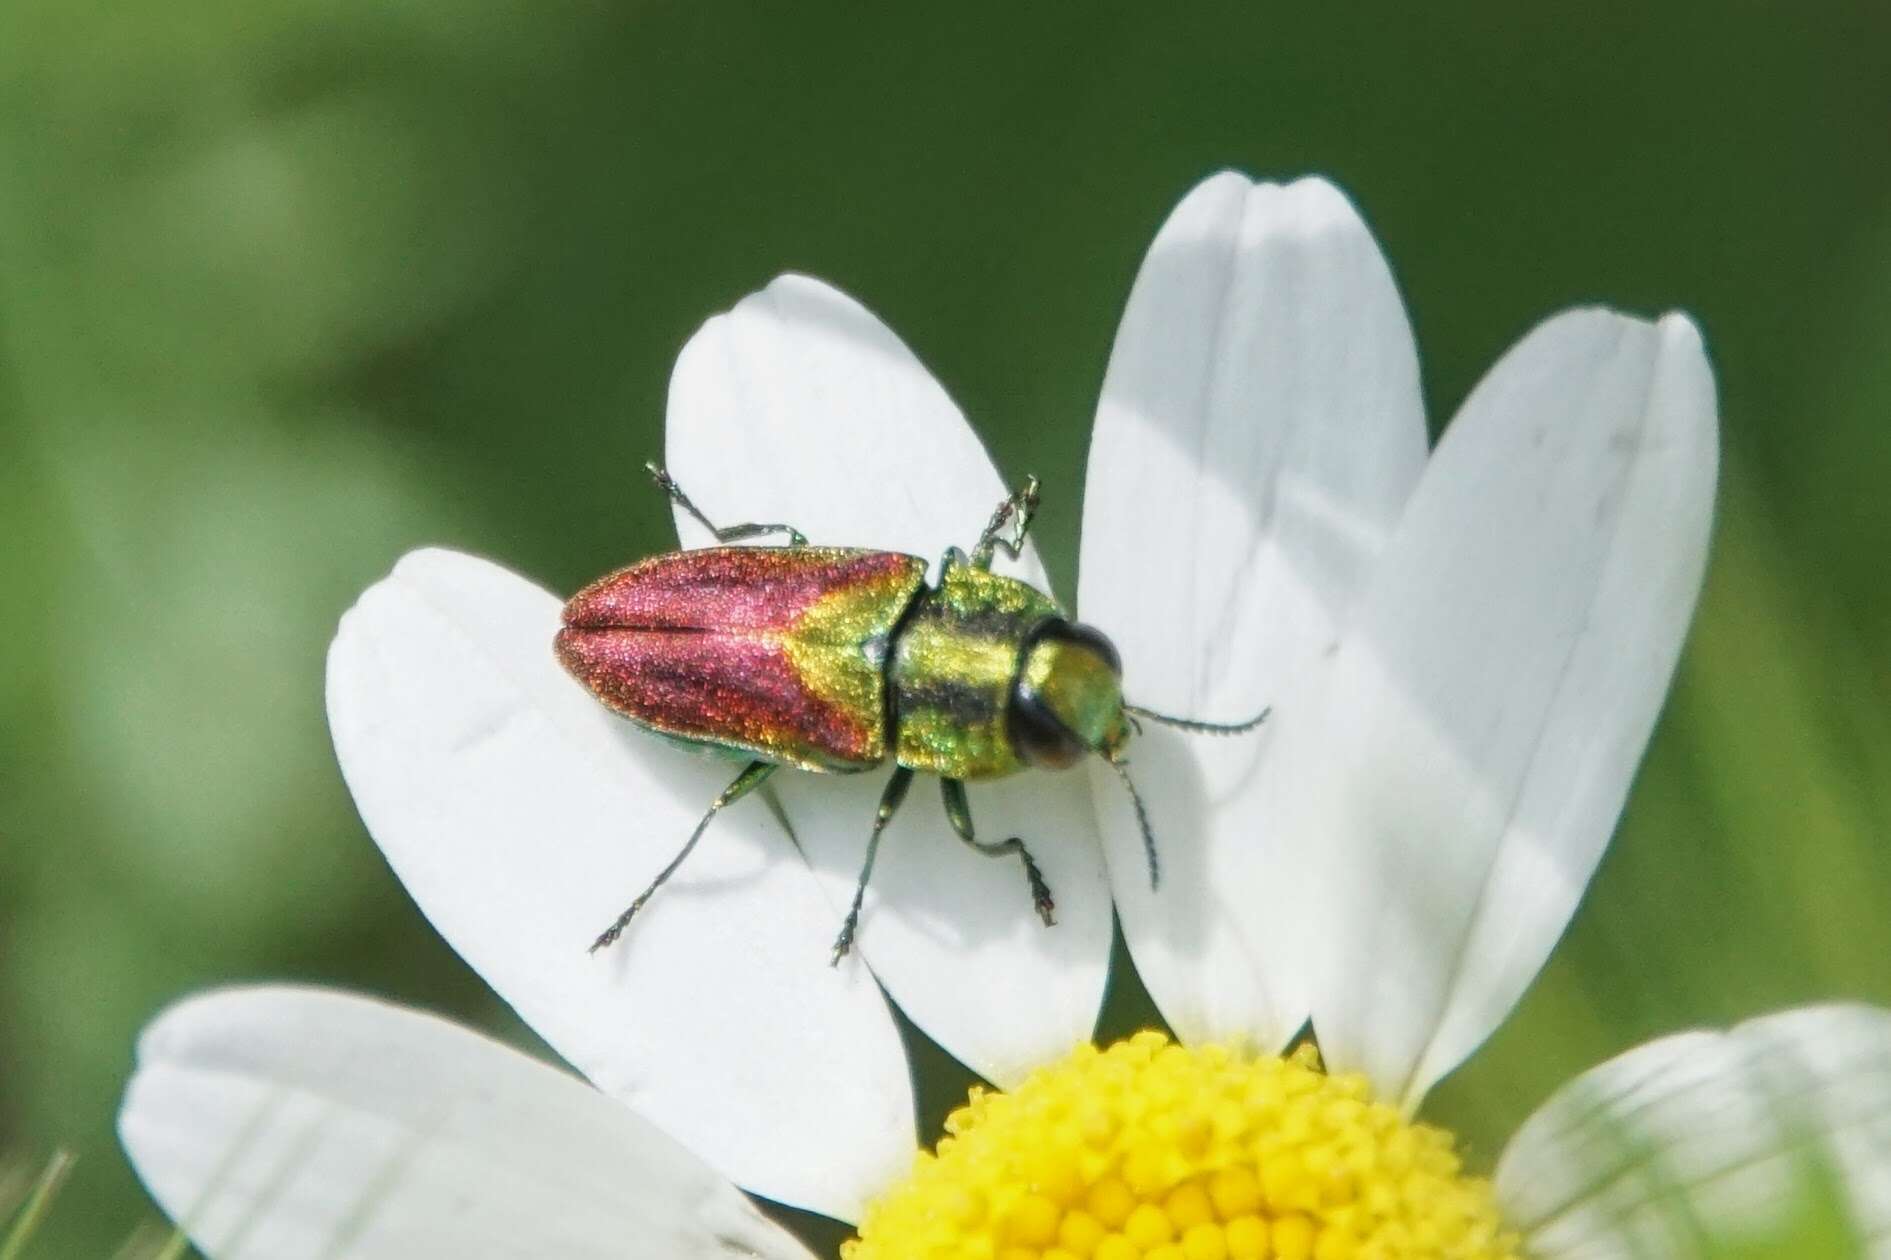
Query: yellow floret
pixel 1153 1151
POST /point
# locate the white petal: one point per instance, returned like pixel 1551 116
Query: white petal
pixel 1452 785
pixel 291 1124
pixel 951 932
pixel 1259 431
pixel 1708 1136
pixel 522 816
pixel 800 406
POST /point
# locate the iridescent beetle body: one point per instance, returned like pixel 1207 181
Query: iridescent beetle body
pixel 837 659
pixel 774 652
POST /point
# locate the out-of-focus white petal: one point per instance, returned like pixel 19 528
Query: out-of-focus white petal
pixel 1452 784
pixel 800 406
pixel 523 816
pixel 1259 431
pixel 1705 1136
pixel 294 1124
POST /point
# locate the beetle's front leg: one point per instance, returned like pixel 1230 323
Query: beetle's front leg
pixel 959 811
pixel 1017 511
pixel 723 533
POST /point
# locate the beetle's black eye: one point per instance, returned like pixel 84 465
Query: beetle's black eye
pixel 1066 699
pixel 1038 736
pixel 1092 638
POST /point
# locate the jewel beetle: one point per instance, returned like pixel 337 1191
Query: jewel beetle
pixel 839 659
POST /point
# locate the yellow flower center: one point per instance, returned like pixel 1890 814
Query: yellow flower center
pixel 1154 1151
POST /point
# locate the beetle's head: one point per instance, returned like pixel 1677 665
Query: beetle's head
pixel 1068 701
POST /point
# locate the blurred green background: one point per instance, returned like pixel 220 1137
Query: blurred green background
pixel 289 287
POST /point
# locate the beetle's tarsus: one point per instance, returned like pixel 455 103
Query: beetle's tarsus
pixel 959 813
pixel 1041 900
pixel 723 533
pixel 1018 509
pixel 752 777
pixel 1040 891
pixel 609 935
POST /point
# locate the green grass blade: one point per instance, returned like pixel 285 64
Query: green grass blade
pixel 155 1240
pixel 38 1203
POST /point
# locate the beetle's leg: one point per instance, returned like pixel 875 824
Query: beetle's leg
pixel 723 533
pixel 1017 511
pixel 746 782
pixel 960 813
pixel 889 805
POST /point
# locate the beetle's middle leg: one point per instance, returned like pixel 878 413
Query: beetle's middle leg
pixel 723 533
pixel 889 805
pixel 959 811
pixel 1015 511
pixel 753 777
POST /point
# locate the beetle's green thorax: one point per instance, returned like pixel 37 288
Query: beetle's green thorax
pixel 955 663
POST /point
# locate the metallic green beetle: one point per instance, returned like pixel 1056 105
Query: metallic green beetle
pixel 833 659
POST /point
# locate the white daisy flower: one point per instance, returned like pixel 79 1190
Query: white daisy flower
pixel 1465 654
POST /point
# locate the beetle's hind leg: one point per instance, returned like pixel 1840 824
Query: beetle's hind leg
pixel 959 811
pixel 1015 511
pixel 889 805
pixel 723 533
pixel 753 777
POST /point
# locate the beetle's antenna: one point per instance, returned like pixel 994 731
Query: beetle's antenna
pixel 1196 727
pixel 1142 820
